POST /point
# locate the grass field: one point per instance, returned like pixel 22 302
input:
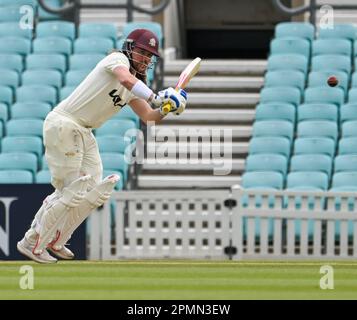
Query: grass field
pixel 177 280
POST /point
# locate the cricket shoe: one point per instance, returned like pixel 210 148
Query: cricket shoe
pixel 26 248
pixel 63 253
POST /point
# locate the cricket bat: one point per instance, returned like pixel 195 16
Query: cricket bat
pixel 186 75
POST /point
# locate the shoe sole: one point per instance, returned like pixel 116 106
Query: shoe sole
pixel 31 256
pixel 57 254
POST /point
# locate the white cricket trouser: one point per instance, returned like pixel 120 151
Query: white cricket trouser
pixel 71 150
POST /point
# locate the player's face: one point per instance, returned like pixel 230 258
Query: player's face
pixel 141 59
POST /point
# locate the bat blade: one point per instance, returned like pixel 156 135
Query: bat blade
pixel 185 77
pixel 188 73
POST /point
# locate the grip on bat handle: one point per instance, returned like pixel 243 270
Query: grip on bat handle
pixel 166 108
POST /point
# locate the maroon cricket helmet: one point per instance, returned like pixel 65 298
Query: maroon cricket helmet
pixel 144 39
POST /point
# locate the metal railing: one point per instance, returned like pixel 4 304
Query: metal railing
pixel 74 7
pixel 312 7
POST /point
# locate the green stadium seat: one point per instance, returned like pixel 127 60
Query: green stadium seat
pixel 98 30
pixel 348 112
pixel 6 95
pixel 65 92
pixel 32 3
pixel 273 128
pixel 352 95
pixel 43 177
pixel 307 180
pixel 324 95
pixel 40 93
pixel 277 145
pixel 319 79
pixel 63 29
pixel 1 129
pixel 281 94
pixel 267 162
pixel 288 78
pixel 345 162
pixel 127 113
pixel 45 16
pixel 11 61
pixel 44 163
pixel 84 61
pixel 262 180
pixel 349 129
pixel 290 45
pixel 339 31
pixel 75 77
pixel 93 45
pixel 9 78
pixel 120 44
pixel 317 111
pixel 46 61
pixel 43 77
pixel 53 45
pixel 314 146
pixel 115 161
pixel 327 129
pixel 15 45
pixel 347 146
pixel 152 26
pixel 18 161
pixel 311 162
pixel 4 114
pixel 30 110
pixel 15 176
pixel 13 29
pixel 331 63
pixel 275 111
pixel 24 127
pixel 115 127
pixel 113 143
pixel 295 29
pixel 354 80
pixel 22 144
pixel 332 46
pixel 344 181
pixel 288 62
pixel 10 13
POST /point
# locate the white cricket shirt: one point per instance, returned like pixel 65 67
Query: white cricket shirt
pixel 100 95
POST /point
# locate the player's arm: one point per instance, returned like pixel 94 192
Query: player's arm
pixel 139 89
pixel 129 81
pixel 145 112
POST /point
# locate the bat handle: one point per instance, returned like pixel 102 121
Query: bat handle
pixel 167 107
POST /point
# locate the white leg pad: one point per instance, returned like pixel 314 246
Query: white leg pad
pixel 55 212
pixel 93 199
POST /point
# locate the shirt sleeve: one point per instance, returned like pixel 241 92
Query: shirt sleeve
pixel 115 60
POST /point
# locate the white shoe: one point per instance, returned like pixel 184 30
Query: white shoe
pixel 63 253
pixel 26 248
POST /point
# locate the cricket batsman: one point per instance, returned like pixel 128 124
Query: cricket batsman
pixel 71 149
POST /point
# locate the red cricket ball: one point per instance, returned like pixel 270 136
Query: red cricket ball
pixel 332 81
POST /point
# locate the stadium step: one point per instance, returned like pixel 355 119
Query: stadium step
pixel 219 84
pixel 187 181
pixel 201 131
pixel 220 67
pixel 212 116
pixel 222 100
pixel 198 164
pixel 200 148
pixel 206 146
